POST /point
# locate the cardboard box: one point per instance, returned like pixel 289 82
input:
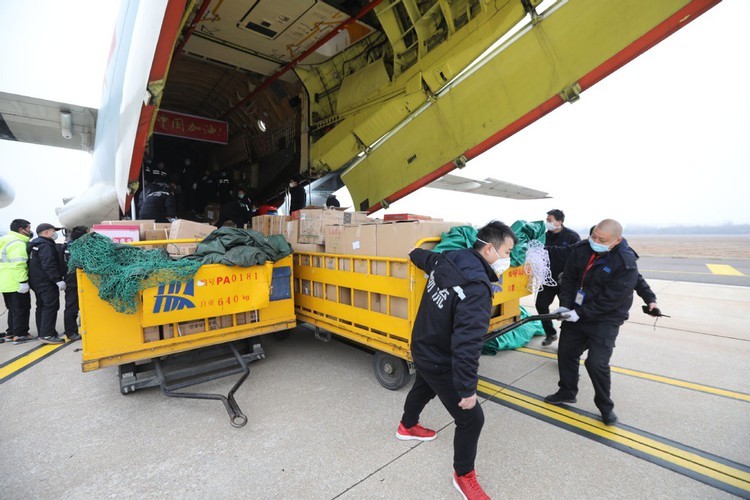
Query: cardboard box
pixel 119 233
pixel 219 322
pixel 151 334
pixel 167 331
pixel 390 217
pixel 143 225
pixel 156 234
pixel 270 224
pixel 185 229
pixel 352 240
pixel 307 248
pixel 182 229
pixel 212 212
pixel 396 239
pixel 181 250
pixel 291 231
pixel 191 327
pixel 160 332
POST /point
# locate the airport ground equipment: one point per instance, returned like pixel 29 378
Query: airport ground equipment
pixel 373 301
pixel 191 332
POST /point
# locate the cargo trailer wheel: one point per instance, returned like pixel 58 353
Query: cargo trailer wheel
pixel 391 372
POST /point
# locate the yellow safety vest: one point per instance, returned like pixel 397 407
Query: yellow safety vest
pixel 13 261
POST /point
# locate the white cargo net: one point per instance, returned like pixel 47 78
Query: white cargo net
pixel 537 267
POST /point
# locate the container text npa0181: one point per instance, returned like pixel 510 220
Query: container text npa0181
pixel 374 301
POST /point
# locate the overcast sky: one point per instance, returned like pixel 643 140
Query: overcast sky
pixel 663 141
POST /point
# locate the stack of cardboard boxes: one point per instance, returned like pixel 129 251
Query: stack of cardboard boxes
pixel 186 229
pixel 126 231
pixel 168 331
pixel 337 234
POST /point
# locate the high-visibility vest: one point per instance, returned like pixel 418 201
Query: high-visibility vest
pixel 13 261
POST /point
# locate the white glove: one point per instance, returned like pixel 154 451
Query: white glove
pixel 61 285
pixel 23 288
pixel 561 310
pixel 572 316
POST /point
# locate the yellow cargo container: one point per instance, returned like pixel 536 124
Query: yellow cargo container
pixel 221 304
pixel 373 301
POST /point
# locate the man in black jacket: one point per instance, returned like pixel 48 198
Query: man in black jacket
pixel 158 197
pixel 446 343
pixel 557 236
pixel 46 279
pixel 596 292
pixel 70 314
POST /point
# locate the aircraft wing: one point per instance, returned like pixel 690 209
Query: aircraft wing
pixel 487 187
pixel 49 123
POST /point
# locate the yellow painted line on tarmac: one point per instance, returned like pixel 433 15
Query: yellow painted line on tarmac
pixel 723 270
pixel 27 359
pixel 657 378
pixel 717 472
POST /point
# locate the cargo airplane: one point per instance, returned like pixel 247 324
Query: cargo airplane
pixel 384 96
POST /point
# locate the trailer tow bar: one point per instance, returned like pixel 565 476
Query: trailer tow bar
pixel 502 331
pixel 236 417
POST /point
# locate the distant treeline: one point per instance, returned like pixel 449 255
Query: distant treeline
pixel 738 229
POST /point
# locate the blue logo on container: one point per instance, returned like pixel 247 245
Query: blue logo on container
pixel 172 297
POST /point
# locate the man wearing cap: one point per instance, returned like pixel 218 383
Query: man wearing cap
pixel 14 277
pixel 46 279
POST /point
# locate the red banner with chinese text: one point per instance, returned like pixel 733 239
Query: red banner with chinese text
pixel 190 127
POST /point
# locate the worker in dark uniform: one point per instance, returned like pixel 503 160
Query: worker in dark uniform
pixel 453 316
pixel 46 280
pixel 332 201
pixel 238 210
pixel 297 194
pixel 223 188
pixel 557 236
pixel 206 191
pixel 596 292
pixel 159 201
pixel 70 315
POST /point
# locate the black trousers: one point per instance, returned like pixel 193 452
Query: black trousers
pixel 70 316
pixel 599 339
pixel 47 305
pixel 468 422
pixel 19 310
pixel 544 298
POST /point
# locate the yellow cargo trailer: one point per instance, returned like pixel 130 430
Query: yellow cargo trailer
pixel 373 301
pixel 185 333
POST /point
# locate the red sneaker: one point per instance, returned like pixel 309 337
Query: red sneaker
pixel 417 432
pixel 469 487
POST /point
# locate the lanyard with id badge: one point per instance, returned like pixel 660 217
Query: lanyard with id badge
pixel 580 294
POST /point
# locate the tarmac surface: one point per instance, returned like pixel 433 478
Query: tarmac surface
pixel 320 425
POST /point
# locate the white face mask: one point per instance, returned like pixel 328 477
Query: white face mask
pixel 550 226
pixel 54 236
pixel 501 265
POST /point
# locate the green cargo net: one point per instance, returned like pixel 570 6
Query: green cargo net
pixel 121 271
pixel 465 236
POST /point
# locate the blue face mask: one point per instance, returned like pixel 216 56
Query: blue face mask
pixel 598 247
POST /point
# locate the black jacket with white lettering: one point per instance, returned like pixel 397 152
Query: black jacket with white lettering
pixel 454 314
pixel 607 286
